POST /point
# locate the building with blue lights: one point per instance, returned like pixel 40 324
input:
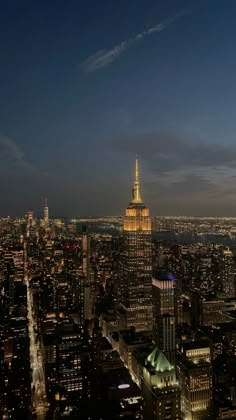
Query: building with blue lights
pixel 163 293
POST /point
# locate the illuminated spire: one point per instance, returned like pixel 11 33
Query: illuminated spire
pixel 46 211
pixel 136 189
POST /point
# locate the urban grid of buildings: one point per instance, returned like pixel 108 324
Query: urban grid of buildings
pixel 118 318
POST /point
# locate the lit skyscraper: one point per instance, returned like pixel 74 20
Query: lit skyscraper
pixel 46 212
pixel 228 278
pixel 163 290
pixel 85 253
pixel 86 272
pixel 161 391
pixel 136 277
pixel 194 370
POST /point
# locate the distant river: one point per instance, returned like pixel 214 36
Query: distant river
pixel 191 238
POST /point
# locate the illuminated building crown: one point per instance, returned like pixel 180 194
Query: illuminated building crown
pixel 137 214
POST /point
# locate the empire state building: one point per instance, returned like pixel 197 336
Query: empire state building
pixel 136 276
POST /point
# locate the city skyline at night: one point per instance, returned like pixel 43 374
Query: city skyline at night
pixel 84 87
pixel 117 317
pixel 117 214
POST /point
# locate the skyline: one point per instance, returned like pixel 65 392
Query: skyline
pixel 84 88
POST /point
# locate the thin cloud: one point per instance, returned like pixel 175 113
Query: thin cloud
pixel 168 152
pixel 9 150
pixel 105 57
pixel 13 161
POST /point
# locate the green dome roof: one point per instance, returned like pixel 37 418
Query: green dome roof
pixel 159 361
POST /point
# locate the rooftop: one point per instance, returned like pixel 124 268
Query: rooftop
pixel 159 361
pixel 132 338
pixel 198 344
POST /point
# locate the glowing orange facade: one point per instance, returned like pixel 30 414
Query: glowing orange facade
pixel 137 219
pixel 136 289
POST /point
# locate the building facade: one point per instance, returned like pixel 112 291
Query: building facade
pixel 136 273
pixel 160 388
pixel 194 370
pixel 163 292
pixel 228 279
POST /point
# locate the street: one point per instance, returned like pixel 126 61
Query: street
pixel 39 399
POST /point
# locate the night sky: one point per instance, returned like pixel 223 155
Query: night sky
pixel 85 85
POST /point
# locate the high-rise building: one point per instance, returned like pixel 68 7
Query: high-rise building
pixel 163 292
pixel 194 370
pixel 69 364
pixel 46 212
pixel 160 388
pixel 15 389
pixel 228 279
pixel 89 292
pixel 85 252
pixel 136 276
pixel 30 223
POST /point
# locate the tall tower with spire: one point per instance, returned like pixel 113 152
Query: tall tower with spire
pixel 46 212
pixel 136 276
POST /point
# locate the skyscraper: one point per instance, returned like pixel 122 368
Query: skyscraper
pixel 228 278
pixel 46 213
pixel 163 290
pixel 160 388
pixel 89 291
pixel 136 276
pixel 194 370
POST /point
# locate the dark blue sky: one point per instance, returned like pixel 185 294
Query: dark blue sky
pixel 87 85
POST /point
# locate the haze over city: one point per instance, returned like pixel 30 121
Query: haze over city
pixel 85 86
